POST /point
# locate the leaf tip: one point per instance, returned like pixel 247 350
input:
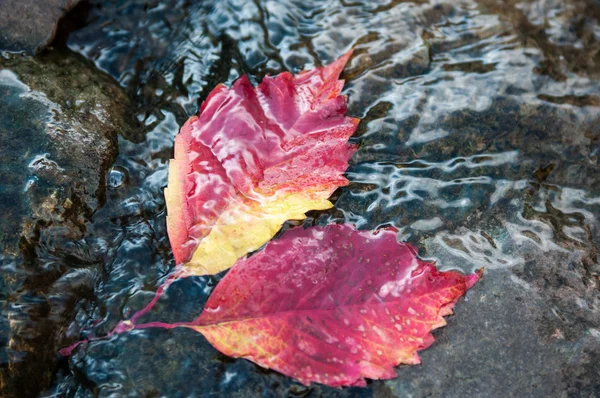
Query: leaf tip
pixel 474 278
pixel 334 69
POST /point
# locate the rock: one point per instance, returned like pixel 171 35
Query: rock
pixel 29 25
pixel 68 118
pixel 59 122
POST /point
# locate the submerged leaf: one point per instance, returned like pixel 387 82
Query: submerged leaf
pixel 329 304
pixel 252 159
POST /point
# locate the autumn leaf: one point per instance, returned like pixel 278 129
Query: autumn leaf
pixel 329 304
pixel 252 159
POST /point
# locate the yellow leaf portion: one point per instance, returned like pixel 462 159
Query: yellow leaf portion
pixel 246 225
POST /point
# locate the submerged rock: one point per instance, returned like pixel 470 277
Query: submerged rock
pixel 29 25
pixel 59 122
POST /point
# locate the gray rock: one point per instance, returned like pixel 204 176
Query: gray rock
pixel 59 122
pixel 59 132
pixel 29 25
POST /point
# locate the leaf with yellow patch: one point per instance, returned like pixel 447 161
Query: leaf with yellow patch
pixel 252 159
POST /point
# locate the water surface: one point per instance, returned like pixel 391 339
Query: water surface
pixel 479 141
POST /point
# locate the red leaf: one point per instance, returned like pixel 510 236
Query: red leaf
pixel 330 304
pixel 253 159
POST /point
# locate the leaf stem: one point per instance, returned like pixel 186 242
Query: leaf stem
pixel 128 325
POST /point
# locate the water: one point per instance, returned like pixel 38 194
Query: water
pixel 479 141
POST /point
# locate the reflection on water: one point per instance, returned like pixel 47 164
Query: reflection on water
pixel 480 142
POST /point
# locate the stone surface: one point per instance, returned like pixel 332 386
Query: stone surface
pixel 58 136
pixel 30 25
pixel 59 127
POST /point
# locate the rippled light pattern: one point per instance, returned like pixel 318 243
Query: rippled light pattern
pixel 252 159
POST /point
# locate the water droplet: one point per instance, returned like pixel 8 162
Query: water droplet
pixel 117 177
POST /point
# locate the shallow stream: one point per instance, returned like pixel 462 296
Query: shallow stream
pixel 479 141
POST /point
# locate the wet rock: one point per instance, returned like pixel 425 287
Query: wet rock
pixel 30 25
pixel 499 344
pixel 59 122
pixel 566 32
